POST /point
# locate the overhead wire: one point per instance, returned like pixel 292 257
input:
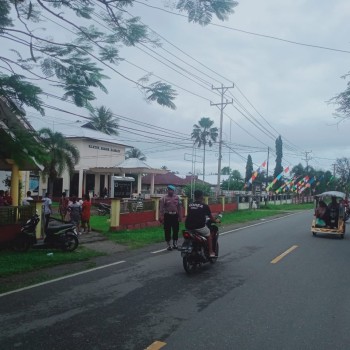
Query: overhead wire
pixel 65 28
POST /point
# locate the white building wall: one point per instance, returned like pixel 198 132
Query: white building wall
pixel 93 153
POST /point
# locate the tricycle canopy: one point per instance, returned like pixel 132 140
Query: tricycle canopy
pixel 332 194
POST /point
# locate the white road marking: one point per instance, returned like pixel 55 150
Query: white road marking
pixel 257 224
pixel 61 278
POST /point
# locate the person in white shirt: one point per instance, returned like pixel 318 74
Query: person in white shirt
pixel 27 200
pixel 47 209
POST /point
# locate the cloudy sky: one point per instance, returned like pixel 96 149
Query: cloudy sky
pixel 280 88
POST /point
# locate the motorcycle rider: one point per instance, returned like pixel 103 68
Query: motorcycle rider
pixel 196 219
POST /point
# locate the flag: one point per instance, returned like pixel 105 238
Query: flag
pixel 256 172
pixel 278 177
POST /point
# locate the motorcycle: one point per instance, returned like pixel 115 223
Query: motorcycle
pixel 62 237
pixel 195 251
pixel 104 209
pixel 26 237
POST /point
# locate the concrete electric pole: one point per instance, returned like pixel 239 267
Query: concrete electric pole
pixel 221 106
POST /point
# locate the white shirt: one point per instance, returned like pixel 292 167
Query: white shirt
pixel 27 200
pixel 46 205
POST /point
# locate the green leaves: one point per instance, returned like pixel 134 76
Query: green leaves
pixel 99 29
pixel 162 93
pixel 5 20
pixel 61 154
pixel 16 89
pixel 103 119
pixel 202 11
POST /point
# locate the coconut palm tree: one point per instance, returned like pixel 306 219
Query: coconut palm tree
pixel 61 155
pixel 135 153
pixel 204 134
pixel 102 119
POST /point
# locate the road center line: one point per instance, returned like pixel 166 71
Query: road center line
pixel 278 258
pixel 156 345
pixel 61 278
pixel 256 224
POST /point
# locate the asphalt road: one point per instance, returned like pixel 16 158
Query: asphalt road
pixel 244 301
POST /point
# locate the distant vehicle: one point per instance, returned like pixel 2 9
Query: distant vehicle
pixel 334 223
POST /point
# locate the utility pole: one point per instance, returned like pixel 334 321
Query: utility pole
pixel 221 106
pixel 307 160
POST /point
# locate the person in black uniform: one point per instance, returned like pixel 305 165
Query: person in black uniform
pixel 196 219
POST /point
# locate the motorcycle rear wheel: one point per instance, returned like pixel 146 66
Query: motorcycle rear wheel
pixel 21 244
pixel 213 260
pixel 71 243
pixel 189 265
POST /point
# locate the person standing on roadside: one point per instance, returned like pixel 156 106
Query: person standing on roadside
pixel 170 214
pixel 63 206
pixel 75 213
pixel 85 214
pixel 8 198
pixel 47 209
pixel 27 200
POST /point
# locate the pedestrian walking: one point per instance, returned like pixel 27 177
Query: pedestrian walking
pixel 85 214
pixel 47 209
pixel 170 214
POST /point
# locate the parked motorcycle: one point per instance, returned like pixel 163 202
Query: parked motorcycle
pixel 104 209
pixel 195 251
pixel 62 237
pixel 26 237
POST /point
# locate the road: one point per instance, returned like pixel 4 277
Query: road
pixel 254 297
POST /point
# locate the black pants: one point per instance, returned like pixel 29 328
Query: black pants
pixel 47 219
pixel 171 223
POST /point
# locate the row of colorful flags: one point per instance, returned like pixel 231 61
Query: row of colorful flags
pixel 290 185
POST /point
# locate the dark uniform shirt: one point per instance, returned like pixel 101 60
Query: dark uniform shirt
pixel 197 215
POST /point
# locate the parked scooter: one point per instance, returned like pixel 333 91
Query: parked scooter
pixel 26 237
pixel 195 251
pixel 62 237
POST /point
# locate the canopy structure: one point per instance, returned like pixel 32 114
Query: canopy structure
pixel 332 194
pixel 132 166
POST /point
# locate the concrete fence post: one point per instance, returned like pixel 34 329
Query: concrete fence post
pixel 115 212
pixel 156 206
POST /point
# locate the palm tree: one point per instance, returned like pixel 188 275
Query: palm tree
pixel 61 155
pixel 102 119
pixel 204 134
pixel 135 153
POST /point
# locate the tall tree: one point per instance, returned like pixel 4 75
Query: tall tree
pixel 76 66
pixel 279 156
pixel 248 170
pixel 40 55
pixel 135 153
pixel 102 119
pixel 226 170
pixel 204 134
pixel 342 100
pixel 234 182
pixel 62 155
pixel 342 170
